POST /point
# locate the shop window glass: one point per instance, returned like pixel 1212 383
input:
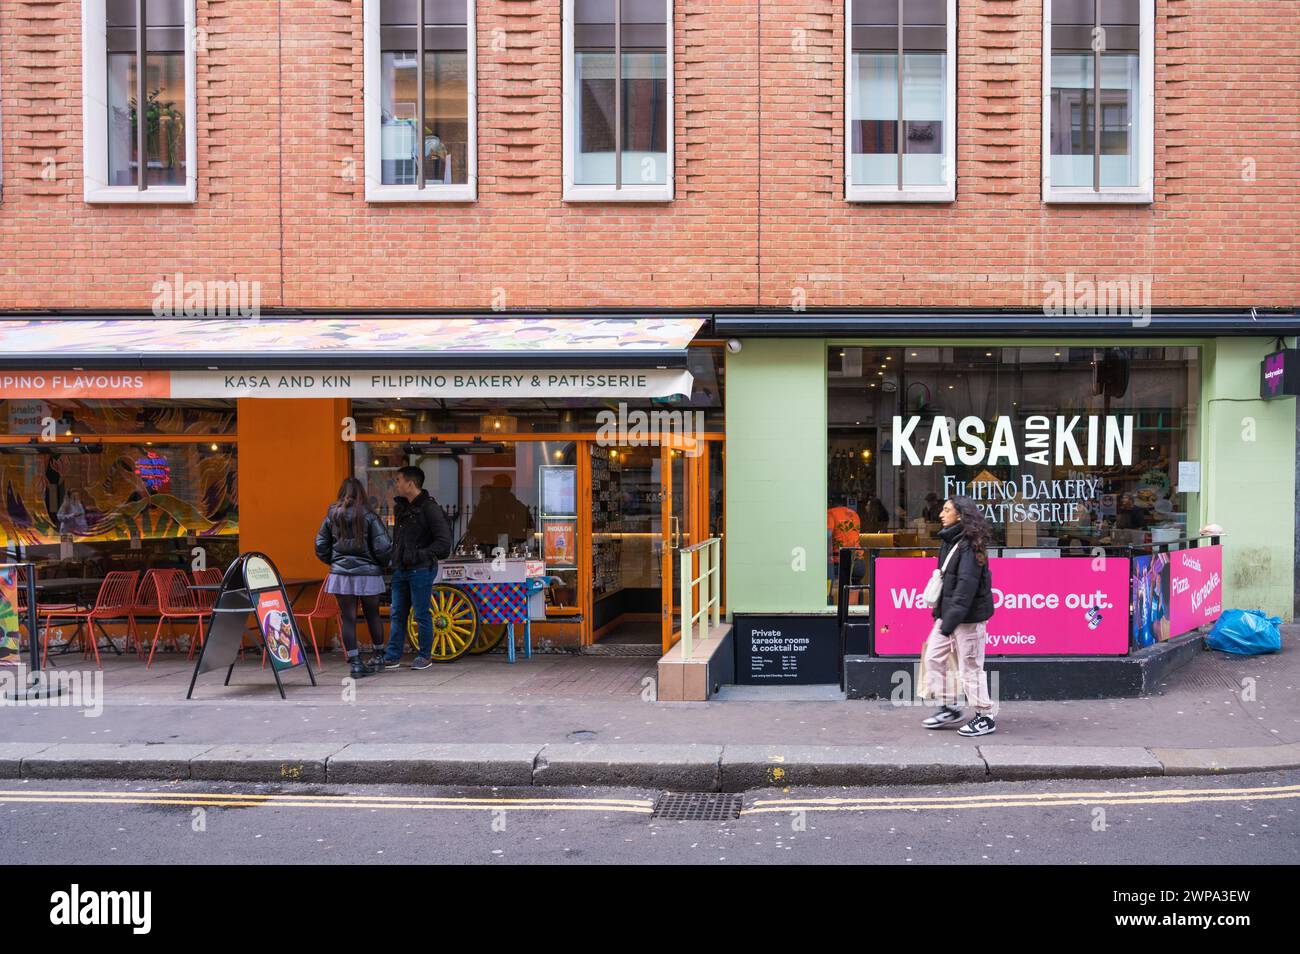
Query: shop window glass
pixel 138 63
pixel 891 151
pixel 82 511
pixel 493 496
pixel 1096 115
pixel 620 111
pixel 444 101
pixel 90 419
pixel 1080 445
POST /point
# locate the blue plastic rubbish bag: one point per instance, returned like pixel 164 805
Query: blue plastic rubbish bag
pixel 1248 632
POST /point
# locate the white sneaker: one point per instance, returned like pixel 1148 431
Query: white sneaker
pixel 946 716
pixel 980 725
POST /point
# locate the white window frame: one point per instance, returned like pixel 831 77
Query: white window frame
pixel 376 190
pixel 1144 192
pixel 947 191
pixel 94 117
pixel 657 192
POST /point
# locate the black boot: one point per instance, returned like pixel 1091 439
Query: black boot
pixel 358 669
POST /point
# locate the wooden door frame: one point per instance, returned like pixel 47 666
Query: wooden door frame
pixel 695 522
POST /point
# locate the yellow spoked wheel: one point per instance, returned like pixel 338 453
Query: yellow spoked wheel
pixel 489 638
pixel 455 624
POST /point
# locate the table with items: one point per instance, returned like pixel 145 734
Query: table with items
pixel 476 602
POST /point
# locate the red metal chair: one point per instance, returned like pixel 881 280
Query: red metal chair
pixel 175 601
pixel 146 602
pixel 206 599
pixel 326 608
pixel 116 601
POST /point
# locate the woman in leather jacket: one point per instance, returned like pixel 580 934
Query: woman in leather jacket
pixel 356 545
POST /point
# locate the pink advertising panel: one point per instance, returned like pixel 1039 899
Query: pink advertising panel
pixel 1043 606
pixel 1195 588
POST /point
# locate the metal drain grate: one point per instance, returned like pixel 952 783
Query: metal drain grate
pixel 697 806
pixel 1208 679
pixel 624 649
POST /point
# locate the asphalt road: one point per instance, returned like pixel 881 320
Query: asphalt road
pixel 1237 819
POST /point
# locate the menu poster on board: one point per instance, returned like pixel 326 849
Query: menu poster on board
pixel 1195 588
pixel 276 624
pixel 10 634
pixel 559 548
pixel 1149 612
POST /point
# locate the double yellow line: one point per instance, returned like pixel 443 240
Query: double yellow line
pixel 636 806
pixel 1173 796
pixel 641 806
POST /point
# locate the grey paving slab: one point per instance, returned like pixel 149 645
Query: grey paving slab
pixel 1258 758
pixel 688 767
pixel 754 766
pixel 13 753
pixel 113 760
pixel 1069 761
pixel 467 763
pixel 279 762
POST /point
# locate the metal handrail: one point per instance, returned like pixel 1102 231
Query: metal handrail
pixel 699 546
pixel 709 585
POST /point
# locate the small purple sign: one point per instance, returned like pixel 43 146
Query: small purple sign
pixel 1280 374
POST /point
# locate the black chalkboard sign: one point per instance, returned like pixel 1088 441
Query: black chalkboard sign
pixel 252 587
pixel 787 650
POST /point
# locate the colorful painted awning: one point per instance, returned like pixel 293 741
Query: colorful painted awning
pixel 355 357
pixel 327 341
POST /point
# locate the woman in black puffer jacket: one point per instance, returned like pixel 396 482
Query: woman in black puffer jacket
pixel 963 609
pixel 356 545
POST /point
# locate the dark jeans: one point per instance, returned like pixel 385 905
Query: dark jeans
pixel 411 590
pixel 348 620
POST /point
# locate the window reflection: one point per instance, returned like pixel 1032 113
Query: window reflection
pixel 164 110
pixel 874 502
pixel 445 136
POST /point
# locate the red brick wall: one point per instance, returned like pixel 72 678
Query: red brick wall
pixel 759 212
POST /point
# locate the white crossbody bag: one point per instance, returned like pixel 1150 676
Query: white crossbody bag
pixel 934 586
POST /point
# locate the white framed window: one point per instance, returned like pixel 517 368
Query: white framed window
pixel 900 100
pixel 618 96
pixel 420 101
pixel 1098 74
pixel 136 51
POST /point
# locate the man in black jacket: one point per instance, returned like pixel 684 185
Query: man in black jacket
pixel 421 537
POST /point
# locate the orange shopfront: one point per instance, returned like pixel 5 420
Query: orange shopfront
pixel 593 444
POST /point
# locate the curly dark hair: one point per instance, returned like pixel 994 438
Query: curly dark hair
pixel 975 530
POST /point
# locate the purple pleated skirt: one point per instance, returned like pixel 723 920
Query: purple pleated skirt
pixel 354 585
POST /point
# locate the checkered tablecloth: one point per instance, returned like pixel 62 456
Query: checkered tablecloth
pixel 498 602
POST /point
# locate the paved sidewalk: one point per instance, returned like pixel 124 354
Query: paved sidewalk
pixel 592 720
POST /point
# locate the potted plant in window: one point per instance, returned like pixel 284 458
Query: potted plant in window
pixel 163 130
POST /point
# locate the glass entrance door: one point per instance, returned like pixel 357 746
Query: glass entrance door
pixel 627 498
pixel 681 529
pixel 645 511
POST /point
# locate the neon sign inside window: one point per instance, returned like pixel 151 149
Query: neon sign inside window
pixel 154 470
